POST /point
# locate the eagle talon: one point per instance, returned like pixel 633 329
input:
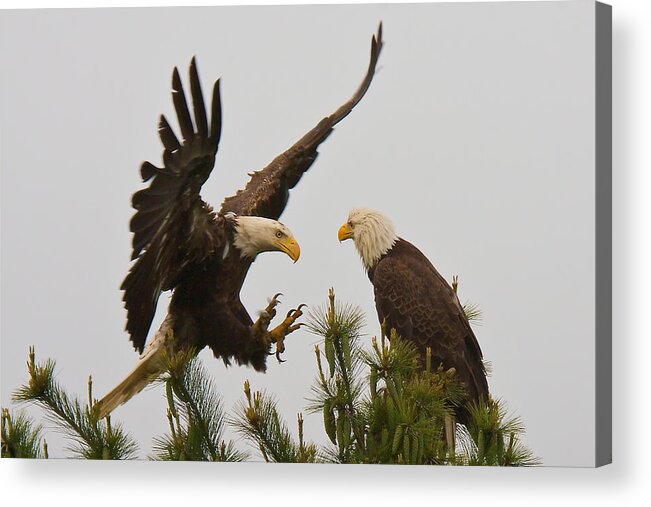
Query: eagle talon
pixel 280 332
pixel 261 326
pixel 294 311
pixel 273 302
pixel 280 348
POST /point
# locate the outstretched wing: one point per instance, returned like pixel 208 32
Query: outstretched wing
pixel 172 226
pixel 186 164
pixel 267 191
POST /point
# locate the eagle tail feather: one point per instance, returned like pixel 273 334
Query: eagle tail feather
pixel 146 370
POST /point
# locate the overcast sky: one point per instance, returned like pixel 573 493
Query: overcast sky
pixel 476 138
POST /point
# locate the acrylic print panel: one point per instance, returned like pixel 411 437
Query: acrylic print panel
pixel 476 138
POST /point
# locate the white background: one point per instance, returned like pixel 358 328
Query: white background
pixel 255 483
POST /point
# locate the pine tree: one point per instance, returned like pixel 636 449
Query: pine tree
pixel 379 404
pixel 194 413
pixel 91 439
pixel 257 420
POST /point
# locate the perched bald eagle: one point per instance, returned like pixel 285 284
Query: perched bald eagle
pixel 415 300
pixel 181 244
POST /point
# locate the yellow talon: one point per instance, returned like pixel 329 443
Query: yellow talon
pixel 287 326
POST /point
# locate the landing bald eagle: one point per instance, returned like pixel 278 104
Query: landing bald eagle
pixel 181 244
pixel 415 300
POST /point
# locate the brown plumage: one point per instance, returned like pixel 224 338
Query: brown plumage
pixel 415 300
pixel 181 244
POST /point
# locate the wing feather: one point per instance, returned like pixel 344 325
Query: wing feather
pixel 172 227
pixel 167 136
pixel 181 106
pixel 197 101
pixel 267 191
pixel 148 171
pixel 216 115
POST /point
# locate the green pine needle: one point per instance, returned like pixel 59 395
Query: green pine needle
pixel 257 420
pixel 91 439
pixel 473 313
pixel 21 437
pixel 195 414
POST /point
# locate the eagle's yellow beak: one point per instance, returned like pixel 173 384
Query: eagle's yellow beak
pixel 290 247
pixel 345 232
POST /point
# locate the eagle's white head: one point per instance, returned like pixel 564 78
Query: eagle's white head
pixel 254 235
pixel 372 233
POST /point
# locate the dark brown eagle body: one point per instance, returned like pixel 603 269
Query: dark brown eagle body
pixel 181 244
pixel 205 317
pixel 415 300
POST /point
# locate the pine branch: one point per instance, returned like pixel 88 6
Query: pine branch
pixel 493 438
pixel 257 420
pixel 194 413
pixel 407 404
pixel 94 439
pixel 338 394
pixel 381 404
pixel 473 313
pixel 402 416
pixel 21 437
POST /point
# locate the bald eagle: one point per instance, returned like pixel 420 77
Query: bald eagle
pixel 415 300
pixel 181 244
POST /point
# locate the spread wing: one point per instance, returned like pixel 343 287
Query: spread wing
pixel 267 191
pixel 172 226
pixel 415 300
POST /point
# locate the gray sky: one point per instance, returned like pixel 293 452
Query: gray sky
pixel 476 138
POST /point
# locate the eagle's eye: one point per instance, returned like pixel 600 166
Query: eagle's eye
pixel 279 234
